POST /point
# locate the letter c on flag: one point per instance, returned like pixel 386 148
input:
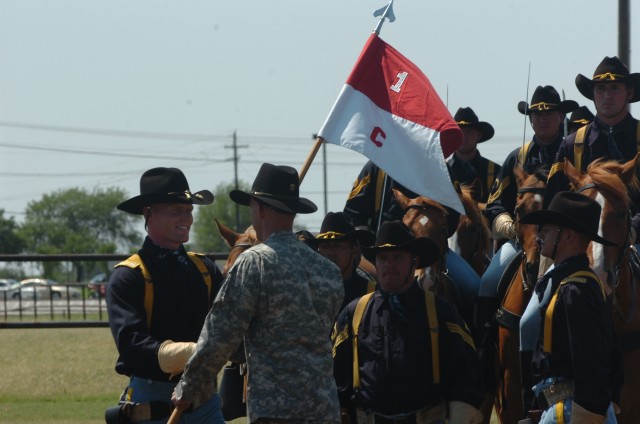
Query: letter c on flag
pixel 377 131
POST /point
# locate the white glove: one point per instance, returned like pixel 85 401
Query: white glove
pixel 579 415
pixel 173 356
pixel 463 413
pixel 503 227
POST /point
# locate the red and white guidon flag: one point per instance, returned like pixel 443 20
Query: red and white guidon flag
pixel 389 112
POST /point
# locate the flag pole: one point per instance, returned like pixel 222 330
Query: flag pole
pixel 385 13
pixel 312 155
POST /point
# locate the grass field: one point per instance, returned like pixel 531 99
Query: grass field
pixel 59 376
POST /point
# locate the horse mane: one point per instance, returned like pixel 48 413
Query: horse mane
pixel 541 174
pixel 604 174
pixel 470 206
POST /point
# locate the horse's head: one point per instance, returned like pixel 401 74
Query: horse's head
pixel 472 239
pixel 607 182
pixel 237 242
pixel 426 218
pixel 530 191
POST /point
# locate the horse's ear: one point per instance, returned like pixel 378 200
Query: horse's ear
pixel 572 173
pixel 520 174
pixel 230 237
pixel 402 200
pixel 628 170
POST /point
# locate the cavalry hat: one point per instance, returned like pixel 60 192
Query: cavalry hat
pixel 466 117
pixel 546 99
pixel 394 235
pixel 277 186
pixel 338 226
pixel 611 69
pixel 164 185
pixel 581 116
pixel 571 210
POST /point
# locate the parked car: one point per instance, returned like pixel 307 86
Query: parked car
pixel 44 289
pixel 8 287
pixel 98 285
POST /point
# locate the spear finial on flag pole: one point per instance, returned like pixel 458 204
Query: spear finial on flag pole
pixel 384 13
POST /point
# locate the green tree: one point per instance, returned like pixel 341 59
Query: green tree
pixel 10 240
pixel 77 221
pixel 207 238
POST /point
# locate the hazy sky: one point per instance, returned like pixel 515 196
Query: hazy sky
pixel 94 92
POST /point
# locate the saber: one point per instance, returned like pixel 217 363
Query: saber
pixel 526 99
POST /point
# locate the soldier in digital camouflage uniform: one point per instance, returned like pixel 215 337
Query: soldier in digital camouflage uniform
pixel 280 298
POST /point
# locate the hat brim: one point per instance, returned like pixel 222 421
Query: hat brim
pixel 426 250
pixel 484 127
pixel 300 205
pixel 564 106
pixel 585 85
pixel 364 237
pixel 546 216
pixel 136 204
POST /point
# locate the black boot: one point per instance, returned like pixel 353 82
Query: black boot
pixel 527 379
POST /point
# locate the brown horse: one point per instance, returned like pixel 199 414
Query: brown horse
pixel 237 242
pixel 472 239
pixel 427 218
pixel 607 182
pixel 515 289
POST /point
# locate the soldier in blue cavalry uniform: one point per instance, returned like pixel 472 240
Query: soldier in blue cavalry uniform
pixel 614 134
pixel 401 354
pixel 579 118
pixel 371 202
pixel 576 360
pixel 546 114
pixel 467 165
pixel 158 300
pixel 339 241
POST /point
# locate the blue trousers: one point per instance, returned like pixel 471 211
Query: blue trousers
pixel 491 277
pixel 142 390
pixel 465 278
pixel 560 413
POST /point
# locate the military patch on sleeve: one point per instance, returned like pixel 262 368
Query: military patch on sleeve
pixel 358 185
pixel 501 185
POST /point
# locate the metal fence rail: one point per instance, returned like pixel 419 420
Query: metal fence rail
pixel 62 309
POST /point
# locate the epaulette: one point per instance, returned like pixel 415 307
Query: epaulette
pixel 578 277
pixel 135 261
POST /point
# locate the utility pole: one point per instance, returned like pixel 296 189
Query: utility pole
pixel 624 32
pixel 235 148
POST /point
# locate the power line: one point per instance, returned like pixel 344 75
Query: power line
pixel 113 133
pixel 119 154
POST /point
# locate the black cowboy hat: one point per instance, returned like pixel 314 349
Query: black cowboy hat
pixel 164 185
pixel 466 117
pixel 277 186
pixel 546 99
pixel 338 226
pixel 394 235
pixel 571 210
pixel 611 69
pixel 581 116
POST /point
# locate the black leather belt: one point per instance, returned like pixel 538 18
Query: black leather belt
pixel 556 392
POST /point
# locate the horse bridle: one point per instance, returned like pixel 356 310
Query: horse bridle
pixel 613 276
pixel 525 276
pixel 442 265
